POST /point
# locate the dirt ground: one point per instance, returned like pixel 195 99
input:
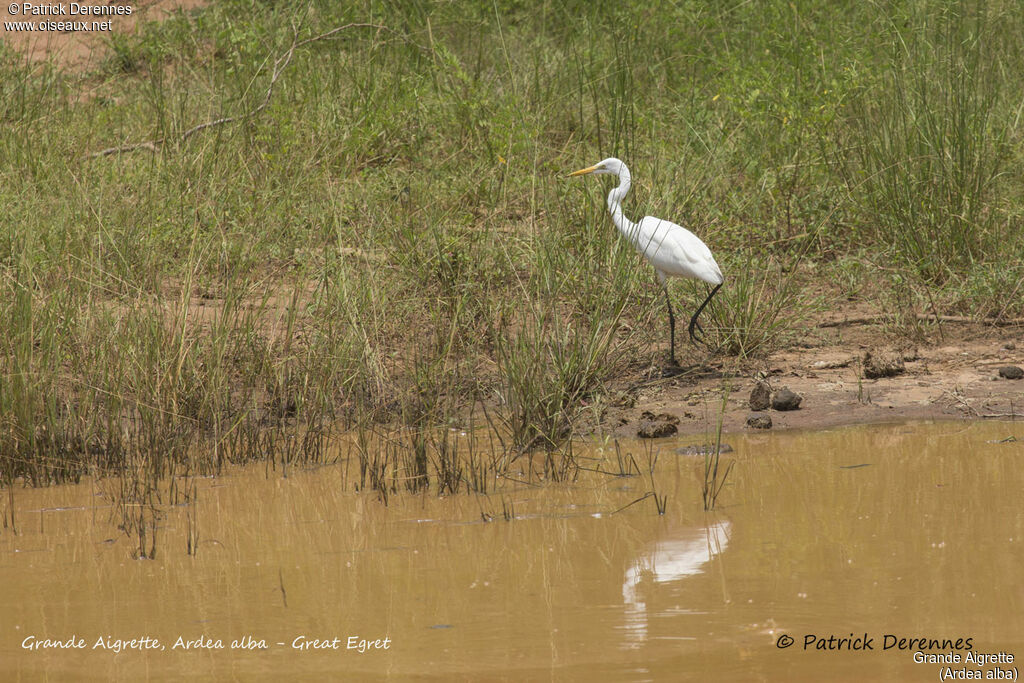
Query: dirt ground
pixel 80 50
pixel 955 375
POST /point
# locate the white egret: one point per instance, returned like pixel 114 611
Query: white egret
pixel 673 250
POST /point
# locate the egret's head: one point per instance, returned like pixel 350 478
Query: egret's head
pixel 609 165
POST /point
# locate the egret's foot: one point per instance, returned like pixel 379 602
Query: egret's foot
pixel 672 368
pixel 693 321
pixel 696 338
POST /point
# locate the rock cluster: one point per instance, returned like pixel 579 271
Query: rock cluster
pixel 762 398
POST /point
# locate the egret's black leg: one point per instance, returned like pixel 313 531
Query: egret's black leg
pixel 699 328
pixel 671 327
pixel 693 320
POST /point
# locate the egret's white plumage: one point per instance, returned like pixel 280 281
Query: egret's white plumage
pixel 673 250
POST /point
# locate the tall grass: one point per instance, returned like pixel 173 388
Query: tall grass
pixel 714 476
pixel 763 305
pixel 933 138
pixel 388 242
pixel 558 348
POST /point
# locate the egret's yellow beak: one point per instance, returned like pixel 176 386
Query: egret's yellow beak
pixel 584 171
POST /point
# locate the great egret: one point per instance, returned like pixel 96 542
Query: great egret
pixel 673 250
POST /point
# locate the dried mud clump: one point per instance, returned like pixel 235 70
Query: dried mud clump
pixel 784 399
pixel 882 365
pixel 760 397
pixel 1011 372
pixel 657 426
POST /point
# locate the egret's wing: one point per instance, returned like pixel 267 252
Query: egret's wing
pixel 676 251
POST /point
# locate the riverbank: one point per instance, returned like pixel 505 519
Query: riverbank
pixel 954 376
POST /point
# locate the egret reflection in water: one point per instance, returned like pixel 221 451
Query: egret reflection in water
pixel 672 559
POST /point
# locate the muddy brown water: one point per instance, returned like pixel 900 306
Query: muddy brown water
pixel 893 532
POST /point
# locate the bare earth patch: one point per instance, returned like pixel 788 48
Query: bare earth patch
pixel 956 376
pixel 81 50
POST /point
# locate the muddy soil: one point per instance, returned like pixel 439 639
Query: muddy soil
pixel 952 375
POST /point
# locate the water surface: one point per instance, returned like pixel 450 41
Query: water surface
pixel 912 531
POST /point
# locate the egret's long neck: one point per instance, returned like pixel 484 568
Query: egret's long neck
pixel 615 197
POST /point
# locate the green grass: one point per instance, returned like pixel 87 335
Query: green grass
pixel 391 239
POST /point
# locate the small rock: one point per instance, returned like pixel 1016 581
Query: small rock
pixel 760 397
pixel 882 366
pixel 784 399
pixel 1009 346
pixel 1011 372
pixel 704 450
pixel 759 421
pixel 657 426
